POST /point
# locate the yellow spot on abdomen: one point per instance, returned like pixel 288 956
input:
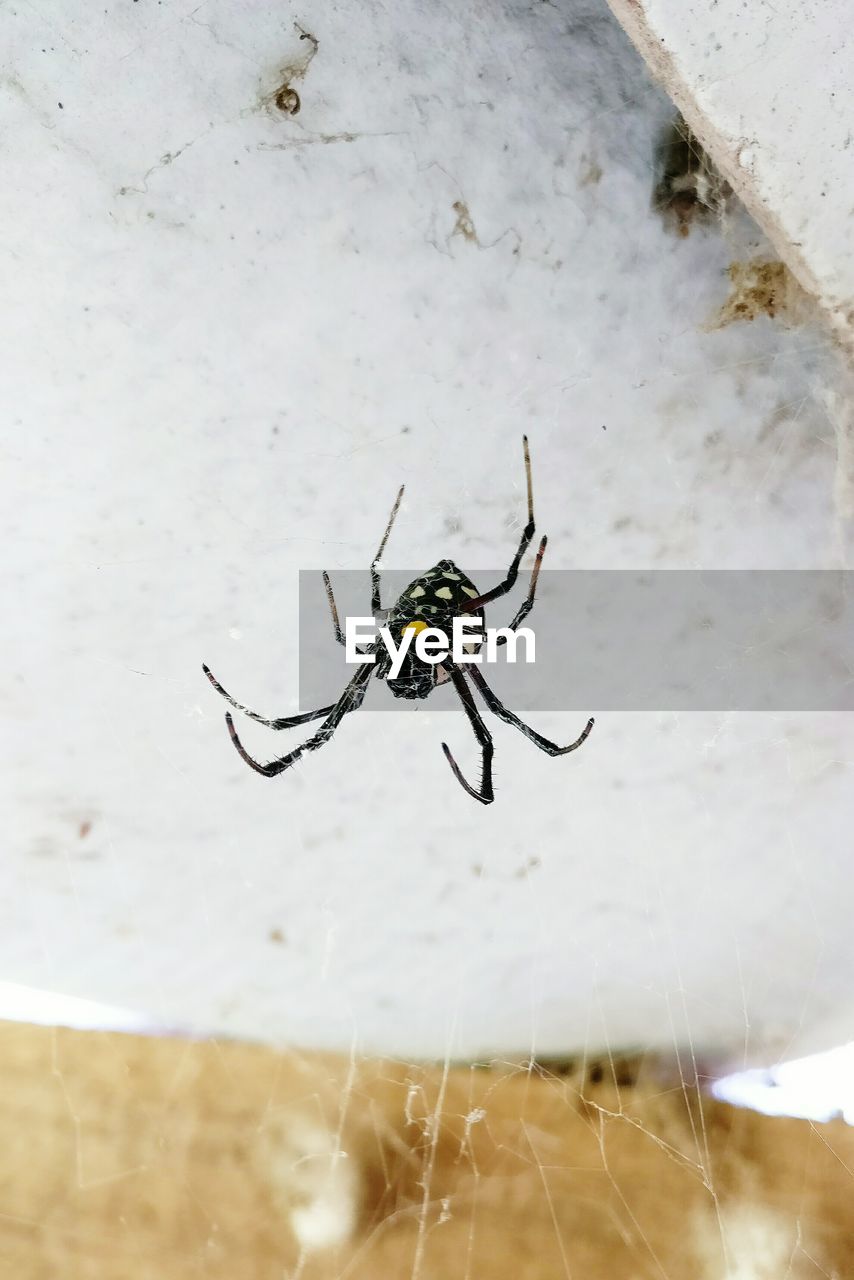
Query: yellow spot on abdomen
pixel 416 626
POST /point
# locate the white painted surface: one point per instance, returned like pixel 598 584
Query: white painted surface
pixel 769 87
pixel 229 336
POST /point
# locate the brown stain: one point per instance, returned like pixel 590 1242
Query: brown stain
pixel 683 210
pixel 464 226
pixel 285 97
pixel 288 100
pixel 589 172
pixel 761 286
pixel 689 187
pixel 276 935
pixel 84 828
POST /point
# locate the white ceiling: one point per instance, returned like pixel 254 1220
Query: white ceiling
pixel 229 335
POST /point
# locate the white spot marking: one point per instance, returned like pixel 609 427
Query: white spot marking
pixel 414 595
pixel 445 593
pixel 470 592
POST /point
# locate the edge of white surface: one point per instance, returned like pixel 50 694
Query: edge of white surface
pixel 653 43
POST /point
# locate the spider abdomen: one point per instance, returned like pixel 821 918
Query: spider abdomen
pixel 433 599
pixel 437 596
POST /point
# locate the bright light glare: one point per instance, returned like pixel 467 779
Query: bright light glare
pixel 816 1088
pixel 50 1009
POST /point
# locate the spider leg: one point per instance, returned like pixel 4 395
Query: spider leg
pixel 333 609
pixel 350 700
pixel 528 603
pixel 485 794
pixel 336 624
pixel 285 722
pixel 376 607
pixel 527 535
pixel 498 708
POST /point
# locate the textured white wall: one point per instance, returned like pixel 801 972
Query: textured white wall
pixel 229 335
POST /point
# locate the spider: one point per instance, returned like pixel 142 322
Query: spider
pixel 439 595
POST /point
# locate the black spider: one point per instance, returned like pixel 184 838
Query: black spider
pixel 434 599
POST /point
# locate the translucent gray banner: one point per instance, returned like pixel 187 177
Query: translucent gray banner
pixel 751 640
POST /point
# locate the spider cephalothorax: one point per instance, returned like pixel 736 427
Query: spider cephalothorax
pixel 434 599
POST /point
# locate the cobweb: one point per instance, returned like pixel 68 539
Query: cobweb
pixel 349 1167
